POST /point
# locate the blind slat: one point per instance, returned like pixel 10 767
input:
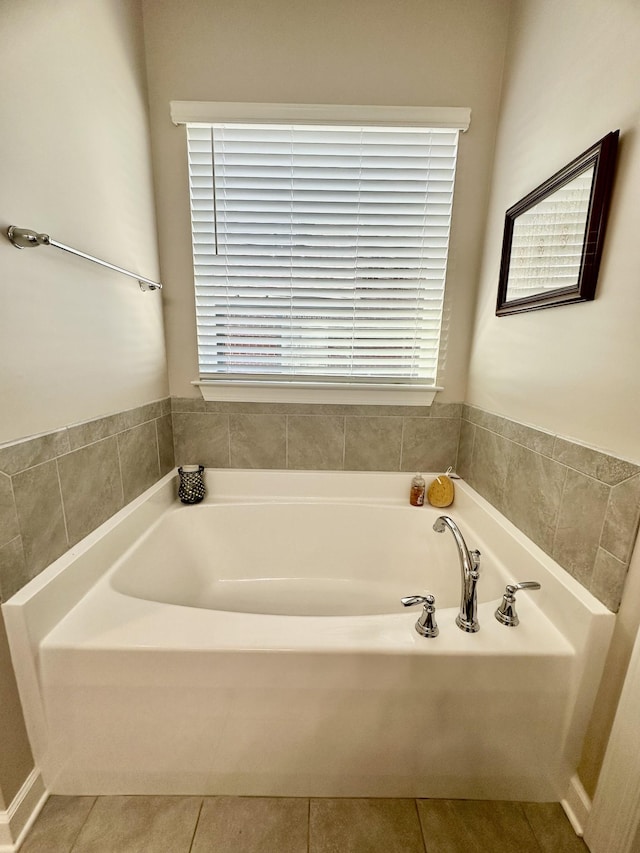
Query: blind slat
pixel 320 251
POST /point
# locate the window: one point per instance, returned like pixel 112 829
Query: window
pixel 320 250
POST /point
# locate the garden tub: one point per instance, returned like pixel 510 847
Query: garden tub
pixel 255 644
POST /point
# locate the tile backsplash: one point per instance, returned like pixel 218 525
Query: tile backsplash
pixel 57 488
pixel 579 505
pixel 316 437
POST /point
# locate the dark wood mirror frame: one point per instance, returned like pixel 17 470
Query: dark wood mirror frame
pixel 602 157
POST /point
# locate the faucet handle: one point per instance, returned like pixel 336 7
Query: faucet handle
pixel 426 625
pixel 506 612
pixel 412 600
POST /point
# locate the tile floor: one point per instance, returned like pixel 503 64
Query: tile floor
pixel 288 825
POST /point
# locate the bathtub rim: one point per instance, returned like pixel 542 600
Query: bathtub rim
pixel 257 486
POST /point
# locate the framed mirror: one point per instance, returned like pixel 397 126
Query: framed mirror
pixel 553 236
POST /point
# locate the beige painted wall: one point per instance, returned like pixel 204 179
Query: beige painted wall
pixel 571 75
pixel 409 52
pixel 76 340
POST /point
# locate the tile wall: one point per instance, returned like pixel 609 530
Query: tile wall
pixel 579 505
pixel 57 488
pixel 316 437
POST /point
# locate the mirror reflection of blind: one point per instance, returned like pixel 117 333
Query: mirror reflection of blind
pixel 320 252
pixel 546 248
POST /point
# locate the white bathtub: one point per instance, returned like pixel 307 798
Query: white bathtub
pixel 255 644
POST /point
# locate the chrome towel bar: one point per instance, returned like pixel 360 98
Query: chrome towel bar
pixel 23 238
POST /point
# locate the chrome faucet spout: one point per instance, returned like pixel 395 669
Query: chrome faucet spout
pixel 467 618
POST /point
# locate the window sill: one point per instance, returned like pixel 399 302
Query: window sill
pixel 317 392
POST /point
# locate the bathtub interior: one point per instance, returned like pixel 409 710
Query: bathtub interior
pixel 133 682
pixel 290 558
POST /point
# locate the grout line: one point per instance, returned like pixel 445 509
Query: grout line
pixel 604 521
pixel 64 512
pixel 286 442
pixel 471 455
pixel 195 828
pixel 531 827
pixel 173 440
pixel 455 461
pixel 557 524
pixel 158 448
pixel 120 470
pixel 309 825
pixel 84 823
pixel 613 556
pixel 344 440
pixel 111 435
pixel 404 421
pixel 422 835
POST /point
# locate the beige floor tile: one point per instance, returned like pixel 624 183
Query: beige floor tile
pixel 364 826
pixel 552 829
pixel 252 825
pixel 140 825
pixel 58 825
pixel 475 826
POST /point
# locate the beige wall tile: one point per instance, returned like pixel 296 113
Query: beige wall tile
pixel 91 431
pixel 429 444
pixel 465 448
pixel 315 442
pixel 609 469
pixel 141 414
pixel 258 441
pixel 607 581
pixel 187 404
pixel 534 439
pixel 532 494
pixel 8 518
pixel 444 410
pixel 621 522
pixel 139 463
pixel 164 430
pixel 91 487
pixel 13 568
pixel 487 420
pixel 580 520
pixel 201 439
pixel 33 451
pixel 240 408
pixel 40 515
pixel 373 444
pixel 489 465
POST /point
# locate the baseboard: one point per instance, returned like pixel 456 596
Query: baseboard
pixel 25 807
pixel 576 805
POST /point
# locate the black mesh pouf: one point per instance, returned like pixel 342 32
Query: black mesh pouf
pixel 191 489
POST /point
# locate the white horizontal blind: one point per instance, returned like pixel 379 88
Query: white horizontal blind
pixel 320 252
pixel 547 241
